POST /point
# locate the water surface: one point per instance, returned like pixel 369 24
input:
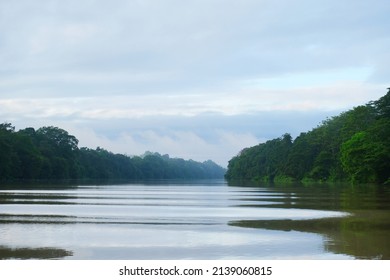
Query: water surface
pixel 194 220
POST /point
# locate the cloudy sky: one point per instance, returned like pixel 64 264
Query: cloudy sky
pixel 199 79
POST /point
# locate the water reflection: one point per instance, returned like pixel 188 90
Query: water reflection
pixel 364 233
pixel 33 253
pixel 354 235
pixel 194 220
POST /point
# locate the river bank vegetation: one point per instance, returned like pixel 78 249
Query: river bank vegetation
pixel 51 153
pixel 353 146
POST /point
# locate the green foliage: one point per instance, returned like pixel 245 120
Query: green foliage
pixel 361 157
pixel 262 162
pixel 353 146
pixel 52 153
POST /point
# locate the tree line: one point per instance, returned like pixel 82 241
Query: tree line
pixel 353 146
pixel 51 153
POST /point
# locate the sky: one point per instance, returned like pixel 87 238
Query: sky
pixel 195 79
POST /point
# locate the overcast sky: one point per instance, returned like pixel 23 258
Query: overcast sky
pixel 199 79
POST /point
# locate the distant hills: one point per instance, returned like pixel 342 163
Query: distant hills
pixel 353 146
pixel 51 153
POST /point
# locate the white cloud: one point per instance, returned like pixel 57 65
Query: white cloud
pixel 244 101
pixel 201 42
pixel 129 70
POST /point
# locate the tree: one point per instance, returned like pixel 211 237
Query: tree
pixel 351 146
pixel 52 153
pixel 382 105
pixel 7 156
pixel 59 138
pixel 7 127
pixel 359 157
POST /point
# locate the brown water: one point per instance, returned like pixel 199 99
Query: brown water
pixel 194 220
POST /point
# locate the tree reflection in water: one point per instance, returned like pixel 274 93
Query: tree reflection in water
pixel 33 253
pixel 363 234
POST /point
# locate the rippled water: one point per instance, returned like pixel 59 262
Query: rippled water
pixel 193 220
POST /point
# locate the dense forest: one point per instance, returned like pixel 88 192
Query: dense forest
pixel 353 146
pixel 51 153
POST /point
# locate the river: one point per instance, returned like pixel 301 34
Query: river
pixel 194 220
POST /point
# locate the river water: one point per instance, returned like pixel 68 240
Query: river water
pixel 194 220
